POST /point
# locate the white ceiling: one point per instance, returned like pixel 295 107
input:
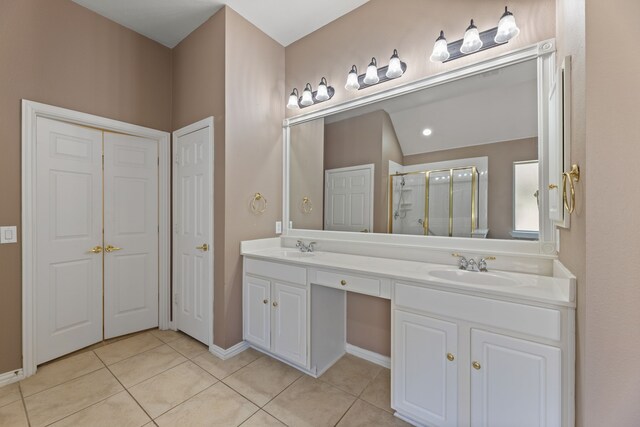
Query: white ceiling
pixel 170 21
pixel 491 107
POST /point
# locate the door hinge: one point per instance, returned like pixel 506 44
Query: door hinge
pixel 177 160
pixel 175 298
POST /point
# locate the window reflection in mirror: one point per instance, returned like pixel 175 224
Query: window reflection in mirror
pixel 437 162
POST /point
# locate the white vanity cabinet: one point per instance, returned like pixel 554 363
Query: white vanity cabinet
pixel 425 368
pixel 450 349
pixel 275 309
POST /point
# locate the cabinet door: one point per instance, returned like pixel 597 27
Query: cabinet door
pixel 514 382
pixel 256 303
pixel 424 377
pixel 290 323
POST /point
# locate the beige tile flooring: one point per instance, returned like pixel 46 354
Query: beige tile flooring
pixel 165 378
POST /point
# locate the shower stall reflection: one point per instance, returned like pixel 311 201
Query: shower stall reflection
pixel 436 203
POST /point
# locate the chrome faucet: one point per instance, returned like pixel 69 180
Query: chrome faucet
pixel 305 247
pixel 473 265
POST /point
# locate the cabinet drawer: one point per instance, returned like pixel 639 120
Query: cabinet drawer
pixel 348 282
pixel 275 270
pixel 530 320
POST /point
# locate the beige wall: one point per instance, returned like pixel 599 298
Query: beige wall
pixel 59 53
pixel 306 174
pixel 391 151
pixel 501 157
pixel 199 92
pixel 411 26
pixel 254 114
pixel 610 371
pixel 570 18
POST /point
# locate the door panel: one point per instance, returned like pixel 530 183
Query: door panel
pixel 193 228
pixel 290 323
pixel 68 288
pixel 349 199
pixel 257 312
pixel 131 225
pixel 425 381
pixel 517 382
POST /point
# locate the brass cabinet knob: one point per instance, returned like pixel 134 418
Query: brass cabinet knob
pixel 275 304
pixel 111 248
pixel 476 365
pixel 203 248
pixel 266 301
pixel 343 282
pixel 552 186
pixel 96 249
pixel 450 357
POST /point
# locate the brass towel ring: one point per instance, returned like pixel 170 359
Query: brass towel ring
pixel 307 206
pixel 258 204
pixel 571 177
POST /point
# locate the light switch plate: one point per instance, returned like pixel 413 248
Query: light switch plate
pixel 278 227
pixel 9 234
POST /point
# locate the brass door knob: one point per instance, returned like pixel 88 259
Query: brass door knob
pixel 275 304
pixel 450 357
pixel 343 282
pixel 203 248
pixel 552 186
pixel 265 301
pixel 111 248
pixel 476 365
pixel 96 249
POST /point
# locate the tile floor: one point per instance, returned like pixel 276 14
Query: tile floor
pixel 165 378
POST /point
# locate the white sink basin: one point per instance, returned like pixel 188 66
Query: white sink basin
pixel 297 254
pixel 475 277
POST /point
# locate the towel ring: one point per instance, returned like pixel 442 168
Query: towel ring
pixel 307 206
pixel 258 204
pixel 571 177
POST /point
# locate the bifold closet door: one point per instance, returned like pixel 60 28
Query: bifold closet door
pixel 130 234
pixel 68 253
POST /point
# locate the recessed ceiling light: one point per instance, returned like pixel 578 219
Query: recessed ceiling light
pixel 427 132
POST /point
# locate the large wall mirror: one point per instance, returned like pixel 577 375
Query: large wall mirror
pixel 456 159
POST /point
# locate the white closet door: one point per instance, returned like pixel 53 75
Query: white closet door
pixel 193 256
pixel 131 228
pixel 68 288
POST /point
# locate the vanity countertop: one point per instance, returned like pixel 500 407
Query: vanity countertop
pixel 523 287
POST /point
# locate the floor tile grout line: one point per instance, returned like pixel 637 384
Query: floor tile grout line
pixel 134 355
pixel 66 381
pixel 24 405
pixel 197 394
pixel 186 361
pixel 348 409
pixel 129 393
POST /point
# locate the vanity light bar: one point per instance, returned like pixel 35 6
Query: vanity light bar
pixel 394 70
pixel 310 97
pixel 474 41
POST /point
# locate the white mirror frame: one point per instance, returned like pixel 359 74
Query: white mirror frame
pixel 544 53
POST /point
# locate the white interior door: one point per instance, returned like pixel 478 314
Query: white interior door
pixel 68 287
pixel 349 199
pixel 193 231
pixel 131 229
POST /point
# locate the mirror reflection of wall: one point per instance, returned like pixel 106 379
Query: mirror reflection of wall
pixel 454 146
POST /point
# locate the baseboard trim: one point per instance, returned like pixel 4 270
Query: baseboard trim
pixel 11 377
pixel 228 353
pixel 378 359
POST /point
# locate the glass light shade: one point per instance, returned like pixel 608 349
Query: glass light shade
pixel 507 28
pixel 440 49
pixel 394 70
pixel 307 96
pixel 293 100
pixel 371 77
pixel 471 42
pixel 352 80
pixel 322 94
